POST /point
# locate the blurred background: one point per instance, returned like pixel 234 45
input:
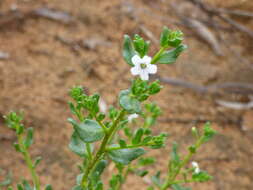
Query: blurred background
pixel 48 46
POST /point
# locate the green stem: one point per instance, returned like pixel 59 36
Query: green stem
pixel 157 55
pixel 80 116
pixel 124 178
pixel 29 163
pixel 128 146
pixel 102 148
pixel 170 180
pixel 102 125
pixel 88 148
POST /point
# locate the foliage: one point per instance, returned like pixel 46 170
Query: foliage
pixel 97 137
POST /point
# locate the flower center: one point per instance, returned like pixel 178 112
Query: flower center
pixel 143 65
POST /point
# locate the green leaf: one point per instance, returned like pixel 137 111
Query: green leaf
pixel 72 108
pixel 171 56
pixel 175 38
pixel 164 37
pixel 114 181
pixel 99 186
pixel 19 187
pixel 122 143
pixel 100 117
pixel 89 131
pixel 156 179
pixel 128 50
pixel 26 185
pixel 77 187
pixel 98 170
pixel 202 176
pixel 77 146
pixel 140 45
pixel 125 156
pixel 141 173
pixel 29 138
pixel 147 139
pixel 48 187
pixel 155 87
pixel 37 161
pixel 146 161
pixel 209 132
pixel 129 103
pixel 158 141
pixel 137 137
pixel 17 147
pixel 179 187
pixel 10 188
pixel 175 158
pixel 7 181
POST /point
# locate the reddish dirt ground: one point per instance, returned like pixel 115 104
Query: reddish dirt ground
pixel 46 60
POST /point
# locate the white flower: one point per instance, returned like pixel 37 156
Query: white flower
pixel 132 116
pixel 143 67
pixel 195 167
pixel 102 105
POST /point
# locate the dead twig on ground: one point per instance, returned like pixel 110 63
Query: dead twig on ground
pixel 200 29
pixel 18 15
pixel 149 34
pixel 211 11
pixel 205 34
pixel 224 121
pixel 236 12
pixel 216 89
pixel 54 15
pixel 235 105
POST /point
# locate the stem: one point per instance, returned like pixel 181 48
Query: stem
pixel 102 148
pixel 157 55
pixel 170 180
pixel 124 178
pixel 88 148
pixel 29 163
pixel 81 119
pixel 128 146
pixel 102 125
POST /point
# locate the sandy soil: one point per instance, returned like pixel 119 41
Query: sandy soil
pixel 48 57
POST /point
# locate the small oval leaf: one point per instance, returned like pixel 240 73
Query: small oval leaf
pixel 171 56
pixel 125 156
pixel 128 50
pixel 77 146
pixel 89 131
pixel 129 103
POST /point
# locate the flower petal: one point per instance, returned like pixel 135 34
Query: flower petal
pixel 146 59
pixel 135 70
pixel 132 116
pixel 136 60
pixel 144 74
pixel 152 68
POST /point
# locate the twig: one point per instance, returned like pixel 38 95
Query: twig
pixel 216 12
pixel 18 15
pixel 235 105
pixel 236 12
pixel 54 15
pixel 228 87
pixel 200 30
pixel 200 121
pixel 149 34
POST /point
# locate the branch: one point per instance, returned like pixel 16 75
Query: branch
pixel 228 87
pixel 212 11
